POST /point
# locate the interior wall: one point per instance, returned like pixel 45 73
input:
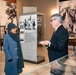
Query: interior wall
pixel 20 5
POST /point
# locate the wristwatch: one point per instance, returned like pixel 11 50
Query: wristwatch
pixel 48 45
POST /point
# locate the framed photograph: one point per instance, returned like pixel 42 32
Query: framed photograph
pixel 68 11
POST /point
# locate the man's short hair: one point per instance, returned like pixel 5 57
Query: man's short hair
pixel 58 17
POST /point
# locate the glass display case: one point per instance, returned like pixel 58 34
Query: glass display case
pixel 68 68
pixel 32 29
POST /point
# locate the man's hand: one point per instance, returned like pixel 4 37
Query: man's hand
pixel 55 65
pixel 44 43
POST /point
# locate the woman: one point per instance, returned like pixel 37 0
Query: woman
pixel 12 49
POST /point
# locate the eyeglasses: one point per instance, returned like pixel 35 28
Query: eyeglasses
pixel 52 20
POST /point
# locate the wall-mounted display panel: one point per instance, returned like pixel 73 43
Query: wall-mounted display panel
pixel 68 11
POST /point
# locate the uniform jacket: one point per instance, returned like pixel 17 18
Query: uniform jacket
pixel 59 44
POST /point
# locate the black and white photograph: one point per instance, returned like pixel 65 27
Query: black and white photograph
pixel 68 11
pixel 28 22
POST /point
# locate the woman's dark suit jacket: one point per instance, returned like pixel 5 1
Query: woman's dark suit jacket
pixel 59 44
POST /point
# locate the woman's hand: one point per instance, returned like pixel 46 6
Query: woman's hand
pixel 10 60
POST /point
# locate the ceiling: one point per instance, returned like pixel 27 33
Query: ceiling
pixel 63 0
pixel 14 1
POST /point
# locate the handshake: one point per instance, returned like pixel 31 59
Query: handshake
pixel 45 43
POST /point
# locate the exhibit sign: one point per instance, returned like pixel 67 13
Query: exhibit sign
pixel 28 36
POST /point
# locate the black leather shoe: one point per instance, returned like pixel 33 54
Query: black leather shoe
pixel 57 72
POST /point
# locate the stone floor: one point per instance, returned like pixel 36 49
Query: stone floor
pixel 42 71
pixel 28 66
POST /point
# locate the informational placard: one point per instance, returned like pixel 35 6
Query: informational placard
pixel 28 36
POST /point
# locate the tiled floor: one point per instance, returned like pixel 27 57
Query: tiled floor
pixel 28 66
